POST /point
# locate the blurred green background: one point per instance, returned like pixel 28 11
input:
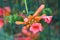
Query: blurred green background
pixel 51 31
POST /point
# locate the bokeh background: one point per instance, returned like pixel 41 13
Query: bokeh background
pixel 51 31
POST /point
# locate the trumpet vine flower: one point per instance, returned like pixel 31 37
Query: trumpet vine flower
pixel 47 18
pixel 1 23
pixel 36 27
pixel 32 22
pixel 6 11
pixel 1 11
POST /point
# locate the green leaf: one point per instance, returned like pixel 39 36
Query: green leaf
pixel 47 10
pixel 20 18
pixel 10 19
pixel 30 12
pixel 15 17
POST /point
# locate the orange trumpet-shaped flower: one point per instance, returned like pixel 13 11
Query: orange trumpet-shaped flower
pixel 39 10
pixel 6 11
pixel 30 20
pixel 1 23
pixel 34 18
pixel 1 11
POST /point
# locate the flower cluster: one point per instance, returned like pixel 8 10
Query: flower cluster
pixel 32 22
pixel 4 12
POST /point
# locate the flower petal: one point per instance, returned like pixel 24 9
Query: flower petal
pixel 47 18
pixel 18 22
pixel 7 9
pixel 39 10
pixel 25 19
pixel 36 27
pixel 1 11
pixel 1 23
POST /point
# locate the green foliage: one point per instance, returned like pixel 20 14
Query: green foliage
pixel 30 12
pixel 12 29
pixel 47 11
pixel 5 36
pixel 13 18
pixel 10 19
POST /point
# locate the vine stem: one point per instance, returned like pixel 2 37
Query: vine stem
pixel 26 7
